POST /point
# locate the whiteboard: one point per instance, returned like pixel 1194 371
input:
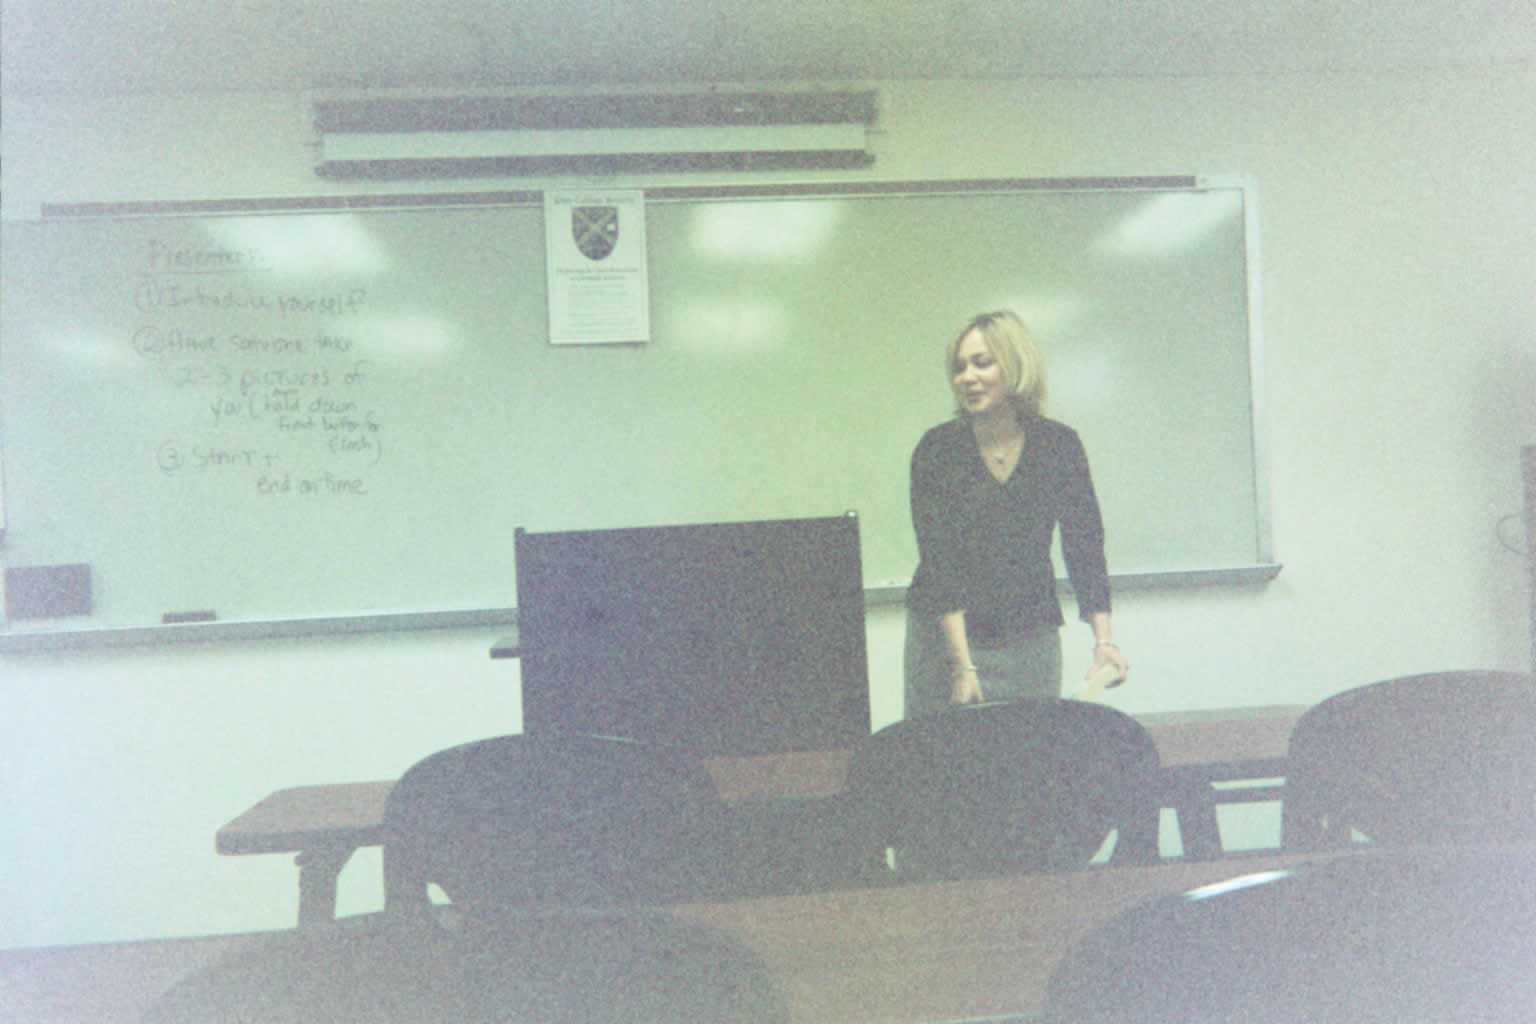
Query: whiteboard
pixel 277 415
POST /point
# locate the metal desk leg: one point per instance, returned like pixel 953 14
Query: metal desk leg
pixel 1194 802
pixel 1137 840
pixel 319 867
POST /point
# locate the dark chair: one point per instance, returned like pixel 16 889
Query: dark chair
pixel 493 967
pixel 1446 757
pixel 1432 935
pixel 556 821
pixel 1032 785
pixel 550 850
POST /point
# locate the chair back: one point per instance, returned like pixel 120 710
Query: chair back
pixel 1433 935
pixel 555 821
pixel 1031 785
pixel 1442 757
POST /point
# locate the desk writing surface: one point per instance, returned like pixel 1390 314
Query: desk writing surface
pixel 107 983
pixel 1236 735
pixel 952 951
pixel 289 820
pixel 906 955
pixel 352 813
pixel 298 415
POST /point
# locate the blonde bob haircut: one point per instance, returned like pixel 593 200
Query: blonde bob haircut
pixel 1010 342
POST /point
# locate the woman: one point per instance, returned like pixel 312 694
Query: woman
pixel 989 488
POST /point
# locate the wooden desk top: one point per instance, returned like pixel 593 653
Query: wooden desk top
pixel 1187 738
pixel 303 817
pixel 108 983
pixel 944 952
pixel 893 955
pixel 1184 739
pixel 300 818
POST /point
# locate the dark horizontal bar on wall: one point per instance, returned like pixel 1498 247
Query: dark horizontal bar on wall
pixel 491 113
pixel 627 163
pixel 528 197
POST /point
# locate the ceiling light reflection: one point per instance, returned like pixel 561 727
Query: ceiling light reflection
pixel 328 244
pixel 764 230
pixel 1173 220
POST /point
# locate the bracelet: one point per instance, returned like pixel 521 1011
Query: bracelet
pixel 967 667
pixel 1106 643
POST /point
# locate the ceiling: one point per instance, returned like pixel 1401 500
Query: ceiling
pixel 188 46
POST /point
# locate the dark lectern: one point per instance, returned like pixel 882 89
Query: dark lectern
pixel 724 639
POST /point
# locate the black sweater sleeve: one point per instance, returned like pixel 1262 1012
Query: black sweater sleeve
pixel 1082 531
pixel 940 552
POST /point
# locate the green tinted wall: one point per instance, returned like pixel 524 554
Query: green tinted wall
pixel 286 415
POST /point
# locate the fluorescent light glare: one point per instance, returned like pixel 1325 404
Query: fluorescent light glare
pixel 767 230
pixel 301 246
pixel 1173 220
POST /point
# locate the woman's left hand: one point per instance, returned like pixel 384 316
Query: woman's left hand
pixel 1108 653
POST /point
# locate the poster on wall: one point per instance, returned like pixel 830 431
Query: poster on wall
pixel 599 289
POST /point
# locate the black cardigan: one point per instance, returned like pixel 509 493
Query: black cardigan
pixel 985 547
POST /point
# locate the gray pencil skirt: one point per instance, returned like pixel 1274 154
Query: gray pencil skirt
pixel 1028 665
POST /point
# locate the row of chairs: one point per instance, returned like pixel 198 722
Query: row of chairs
pixel 1028 786
pixel 558 848
pixel 546 820
pixel 523 874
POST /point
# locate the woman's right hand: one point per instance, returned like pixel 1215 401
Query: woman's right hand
pixel 965 686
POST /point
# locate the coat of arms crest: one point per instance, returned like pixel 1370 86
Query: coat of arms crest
pixel 595 229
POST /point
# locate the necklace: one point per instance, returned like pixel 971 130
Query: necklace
pixel 998 452
pixel 1002 454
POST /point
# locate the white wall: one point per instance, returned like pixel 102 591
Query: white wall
pixel 1399 336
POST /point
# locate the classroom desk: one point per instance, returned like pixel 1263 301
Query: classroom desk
pixel 104 983
pixel 975 951
pixel 325 824
pixel 1201 750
